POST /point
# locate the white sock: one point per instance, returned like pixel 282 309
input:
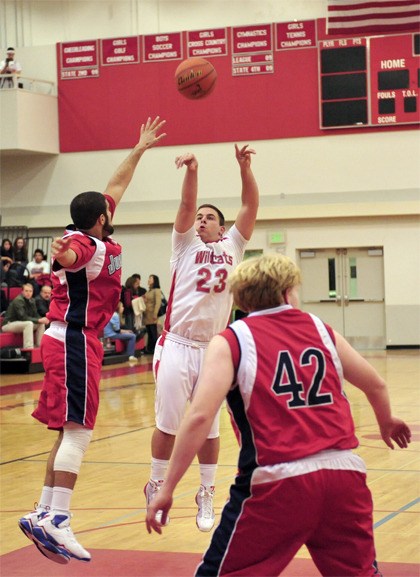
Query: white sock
pixel 61 499
pixel 208 475
pixel 46 498
pixel 158 469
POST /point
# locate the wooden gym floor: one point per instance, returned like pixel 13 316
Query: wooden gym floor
pixel 109 506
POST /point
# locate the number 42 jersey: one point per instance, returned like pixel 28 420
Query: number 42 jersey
pixel 288 401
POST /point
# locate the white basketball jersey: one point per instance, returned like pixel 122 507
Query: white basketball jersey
pixel 199 303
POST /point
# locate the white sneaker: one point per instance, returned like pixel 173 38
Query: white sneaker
pixel 27 523
pixel 132 359
pixel 54 528
pixel 151 489
pixel 205 516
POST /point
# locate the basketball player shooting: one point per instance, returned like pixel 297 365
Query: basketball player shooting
pixel 199 306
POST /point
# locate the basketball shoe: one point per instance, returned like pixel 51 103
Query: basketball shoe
pixel 54 529
pixel 205 515
pixel 151 489
pixel 27 524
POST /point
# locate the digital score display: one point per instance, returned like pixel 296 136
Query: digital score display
pixel 343 82
pixel 371 81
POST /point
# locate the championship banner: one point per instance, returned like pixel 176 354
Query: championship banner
pixel 79 59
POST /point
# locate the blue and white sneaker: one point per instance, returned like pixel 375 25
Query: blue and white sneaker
pixel 27 524
pixel 54 529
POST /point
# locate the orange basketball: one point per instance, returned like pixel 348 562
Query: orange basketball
pixel 195 78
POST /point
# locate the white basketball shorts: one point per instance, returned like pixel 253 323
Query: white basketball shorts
pixel 176 368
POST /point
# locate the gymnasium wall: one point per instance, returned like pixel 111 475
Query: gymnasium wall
pixel 358 189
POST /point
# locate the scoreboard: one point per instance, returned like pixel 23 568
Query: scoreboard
pixel 372 81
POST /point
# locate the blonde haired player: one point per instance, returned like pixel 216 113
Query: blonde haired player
pixel 299 483
pixel 199 305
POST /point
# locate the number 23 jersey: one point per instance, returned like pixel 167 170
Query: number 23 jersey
pixel 199 303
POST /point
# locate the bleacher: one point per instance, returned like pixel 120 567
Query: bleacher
pixel 29 360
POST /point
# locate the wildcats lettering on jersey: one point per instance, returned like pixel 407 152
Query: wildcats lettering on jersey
pixel 207 256
pixel 115 263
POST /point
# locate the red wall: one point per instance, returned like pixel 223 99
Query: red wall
pixel 104 112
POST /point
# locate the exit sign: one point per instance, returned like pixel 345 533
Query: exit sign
pixel 278 237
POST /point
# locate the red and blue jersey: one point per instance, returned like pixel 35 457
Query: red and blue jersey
pixel 86 294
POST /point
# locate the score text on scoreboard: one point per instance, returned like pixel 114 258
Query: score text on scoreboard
pixel 394 79
pixel 372 81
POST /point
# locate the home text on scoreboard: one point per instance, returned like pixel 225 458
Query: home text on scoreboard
pixel 372 81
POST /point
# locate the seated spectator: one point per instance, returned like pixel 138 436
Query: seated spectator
pixel 20 251
pixel 4 272
pixel 39 269
pixel 22 317
pixel 4 301
pixel 114 331
pixel 7 250
pixel 6 259
pixel 42 301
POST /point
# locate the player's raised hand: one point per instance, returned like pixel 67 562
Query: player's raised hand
pixel 149 132
pixel 188 159
pixel 243 155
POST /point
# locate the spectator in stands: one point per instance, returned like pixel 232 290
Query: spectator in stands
pixel 20 251
pixel 7 250
pixel 114 331
pixel 11 67
pixel 130 291
pixel 153 298
pixel 23 317
pixel 39 269
pixel 141 291
pixel 6 260
pixel 42 301
pixel 4 301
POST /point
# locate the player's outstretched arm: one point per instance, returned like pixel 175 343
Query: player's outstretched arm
pixel 245 221
pixel 188 205
pixel 149 137
pixel 362 375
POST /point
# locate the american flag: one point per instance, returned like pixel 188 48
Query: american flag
pixel 374 16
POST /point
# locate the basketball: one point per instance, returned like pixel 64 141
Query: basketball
pixel 195 78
